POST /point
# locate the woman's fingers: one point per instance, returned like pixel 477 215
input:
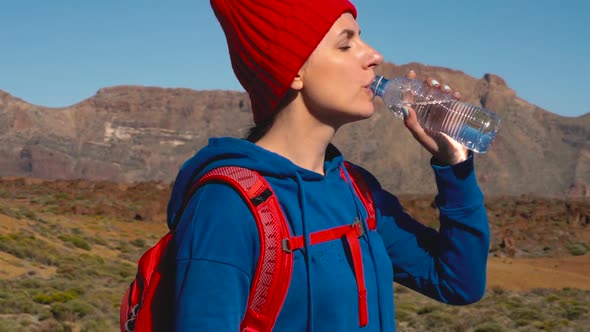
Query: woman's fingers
pixel 411 74
pixel 443 148
pixel 432 82
pixel 411 122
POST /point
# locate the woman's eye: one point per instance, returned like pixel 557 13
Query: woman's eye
pixel 344 48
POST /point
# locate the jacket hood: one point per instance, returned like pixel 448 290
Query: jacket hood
pixel 239 152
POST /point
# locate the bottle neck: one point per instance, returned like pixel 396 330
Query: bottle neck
pixel 378 85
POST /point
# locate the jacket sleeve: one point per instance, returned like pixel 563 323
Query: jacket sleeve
pixel 216 245
pixel 448 265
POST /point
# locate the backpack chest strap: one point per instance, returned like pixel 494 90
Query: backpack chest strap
pixel 351 233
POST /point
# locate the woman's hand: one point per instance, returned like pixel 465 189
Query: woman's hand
pixel 443 148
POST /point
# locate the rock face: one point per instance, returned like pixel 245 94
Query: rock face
pixel 134 134
pixel 124 134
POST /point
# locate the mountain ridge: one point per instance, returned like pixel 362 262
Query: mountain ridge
pixel 133 133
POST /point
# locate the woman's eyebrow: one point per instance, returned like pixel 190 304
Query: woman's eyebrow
pixel 349 33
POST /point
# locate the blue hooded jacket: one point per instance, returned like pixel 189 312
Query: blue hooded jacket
pixel 217 244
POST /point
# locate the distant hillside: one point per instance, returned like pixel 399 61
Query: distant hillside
pixel 135 134
pixel 68 250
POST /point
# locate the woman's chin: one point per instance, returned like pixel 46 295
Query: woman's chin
pixel 367 113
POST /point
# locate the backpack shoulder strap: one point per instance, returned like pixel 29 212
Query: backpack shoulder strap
pixel 363 192
pixel 275 265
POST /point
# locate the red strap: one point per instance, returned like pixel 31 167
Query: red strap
pixel 267 296
pixel 362 191
pixel 351 233
pixel 357 261
pixel 275 266
pixel 298 242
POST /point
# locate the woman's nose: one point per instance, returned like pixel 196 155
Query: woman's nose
pixel 375 58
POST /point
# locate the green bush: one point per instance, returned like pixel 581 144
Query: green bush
pixel 71 311
pixel 553 325
pixel 427 309
pixel 577 249
pixel 403 315
pixel 439 320
pixel 488 327
pixel 18 303
pixel 96 326
pixel 573 310
pixel 99 241
pixel 497 290
pixel 140 243
pixel 55 297
pixel 76 241
pixel 525 316
pixel 52 325
pixel 9 325
pixel 26 246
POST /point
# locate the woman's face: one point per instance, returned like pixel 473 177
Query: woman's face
pixel 337 76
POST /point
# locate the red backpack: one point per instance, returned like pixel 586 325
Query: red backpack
pixel 148 302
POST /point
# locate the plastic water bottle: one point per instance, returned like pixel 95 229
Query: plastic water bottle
pixel 470 125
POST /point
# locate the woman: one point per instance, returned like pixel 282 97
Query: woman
pixel 307 73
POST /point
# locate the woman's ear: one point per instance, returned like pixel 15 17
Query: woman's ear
pixel 297 83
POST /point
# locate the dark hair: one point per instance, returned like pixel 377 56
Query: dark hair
pixel 260 129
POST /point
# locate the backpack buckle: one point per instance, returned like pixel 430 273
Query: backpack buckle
pixel 359 227
pixel 285 246
pixel 130 323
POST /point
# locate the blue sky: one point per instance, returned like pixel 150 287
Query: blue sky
pixel 57 53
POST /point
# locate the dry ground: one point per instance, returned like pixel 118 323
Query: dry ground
pixel 529 273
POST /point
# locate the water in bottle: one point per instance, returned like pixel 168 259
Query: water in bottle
pixel 470 125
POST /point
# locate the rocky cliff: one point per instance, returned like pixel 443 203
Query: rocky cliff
pixel 134 134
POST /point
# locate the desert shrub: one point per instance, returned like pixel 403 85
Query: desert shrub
pixel 52 325
pixel 577 249
pixel 45 315
pixel 439 321
pixel 525 316
pixel 98 240
pixel 41 200
pixel 17 303
pixel 55 297
pixel 398 289
pixel 402 315
pixel 29 283
pixel 429 308
pixel 512 303
pixel 407 305
pixel 494 247
pixel 497 290
pixel 71 311
pixel 28 247
pixel 95 326
pixel 140 243
pixel 28 214
pixel 573 310
pixel 540 291
pixel 552 325
pixel 92 267
pixel 75 240
pixel 551 298
pixel 9 324
pixel 20 213
pixel 488 327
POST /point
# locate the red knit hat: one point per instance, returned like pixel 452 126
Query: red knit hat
pixel 270 40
